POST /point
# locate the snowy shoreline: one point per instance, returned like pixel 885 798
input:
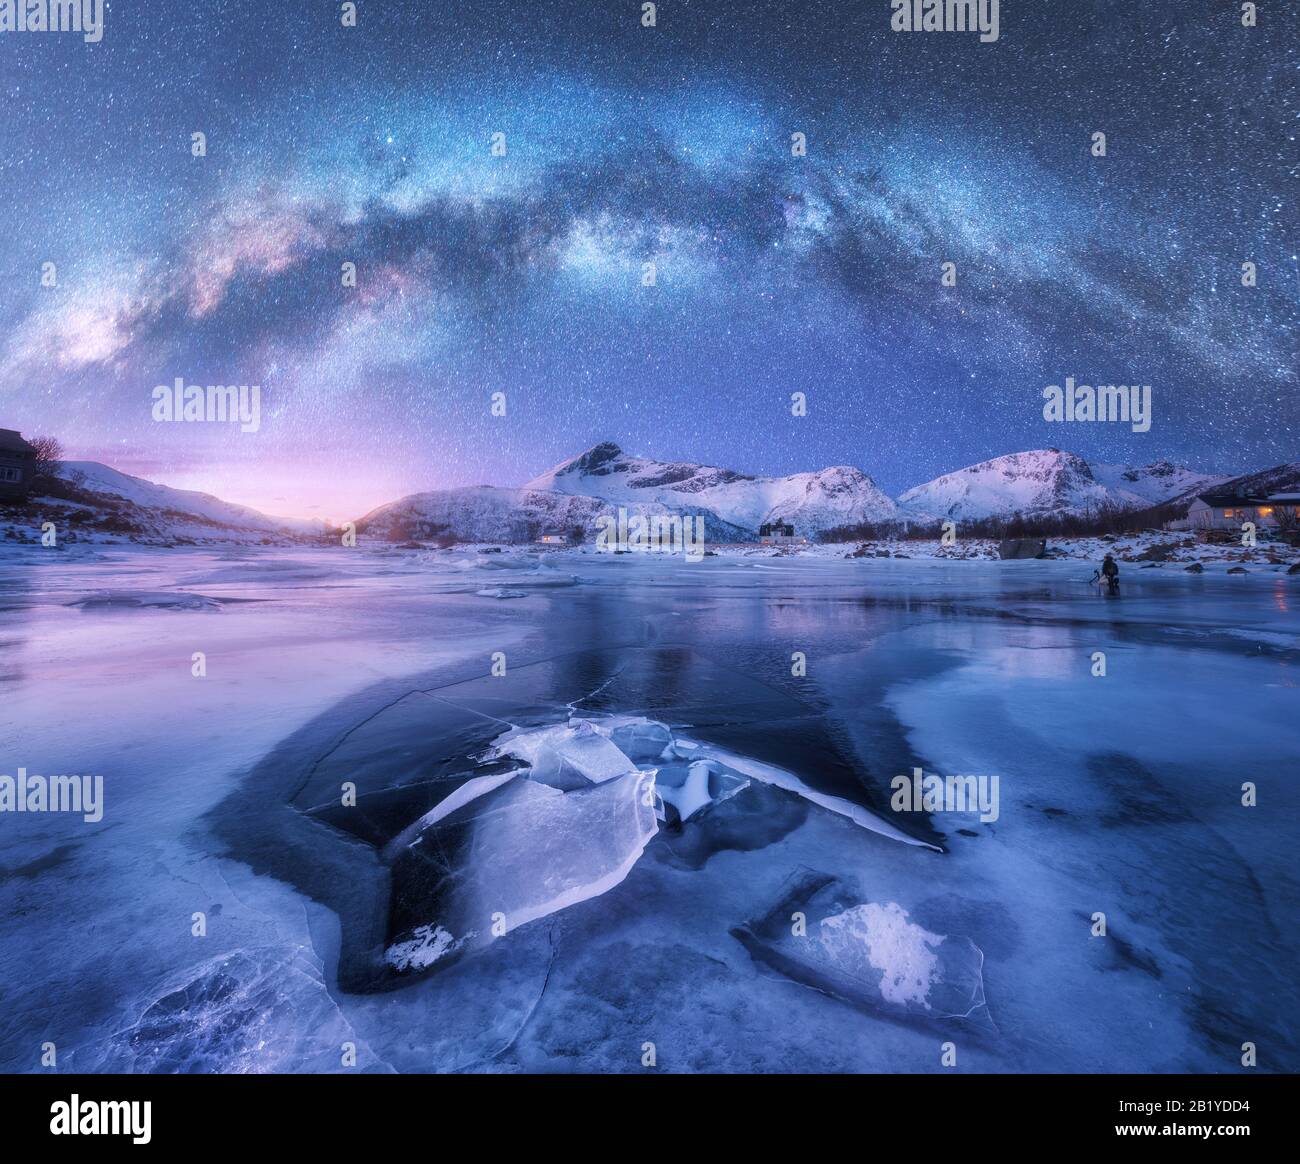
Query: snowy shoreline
pixel 1166 550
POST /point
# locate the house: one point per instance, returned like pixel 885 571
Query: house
pixel 776 533
pixel 552 539
pixel 1230 511
pixel 17 465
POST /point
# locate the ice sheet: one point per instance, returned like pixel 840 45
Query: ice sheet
pixel 1121 795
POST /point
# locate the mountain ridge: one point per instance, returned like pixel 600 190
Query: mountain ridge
pixel 814 501
pixel 597 482
pixel 736 505
pixel 1049 482
pixel 103 480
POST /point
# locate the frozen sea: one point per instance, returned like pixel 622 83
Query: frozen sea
pixel 1119 795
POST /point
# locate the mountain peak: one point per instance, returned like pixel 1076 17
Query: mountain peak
pixel 599 454
pixel 596 457
pixel 595 460
pixel 839 495
pixel 1047 481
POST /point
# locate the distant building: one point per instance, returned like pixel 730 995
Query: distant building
pixel 1229 511
pixel 553 539
pixel 777 533
pixel 17 465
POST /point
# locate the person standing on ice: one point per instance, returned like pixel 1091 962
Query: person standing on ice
pixel 1110 571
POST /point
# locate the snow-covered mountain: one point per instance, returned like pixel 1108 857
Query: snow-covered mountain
pixel 485 513
pixel 1153 484
pixel 811 502
pixel 480 513
pixel 163 504
pixel 1045 482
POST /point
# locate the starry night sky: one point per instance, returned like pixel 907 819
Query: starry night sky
pixel 523 274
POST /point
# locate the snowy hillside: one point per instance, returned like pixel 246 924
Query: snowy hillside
pixel 840 495
pixel 101 480
pixel 91 502
pixel 1045 482
pixel 1153 484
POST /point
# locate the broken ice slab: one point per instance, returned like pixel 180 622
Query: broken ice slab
pixel 509 854
pixel 823 933
pixel 497 562
pixel 147 600
pixel 640 739
pixel 588 748
pixel 688 788
pixel 781 778
pixel 561 750
pixel 472 789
